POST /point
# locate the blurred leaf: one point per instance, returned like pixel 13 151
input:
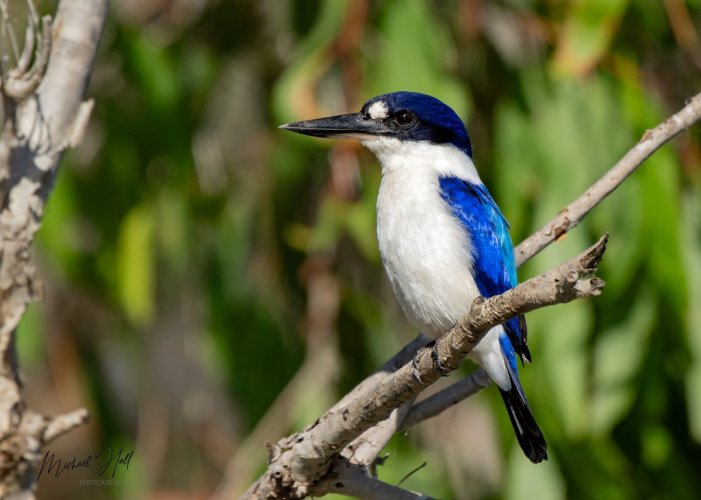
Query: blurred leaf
pixel 657 445
pixel 587 34
pixel 59 235
pixel 30 342
pixel 135 265
pixel 326 232
pixel 552 156
pixel 692 260
pixel 361 223
pixel 174 226
pixel 618 354
pixel 155 70
pixel 596 469
pixel 523 479
pixel 292 99
pixel 414 54
pixel 560 365
pixel 661 232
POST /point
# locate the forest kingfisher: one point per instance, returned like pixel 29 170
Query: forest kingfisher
pixel 443 239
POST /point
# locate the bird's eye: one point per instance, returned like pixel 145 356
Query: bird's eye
pixel 405 119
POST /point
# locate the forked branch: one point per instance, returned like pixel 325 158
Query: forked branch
pixel 303 463
pixel 299 462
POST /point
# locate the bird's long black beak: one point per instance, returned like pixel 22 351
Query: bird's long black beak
pixel 350 126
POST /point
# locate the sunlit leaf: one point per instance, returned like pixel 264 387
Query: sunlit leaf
pixel 586 35
pixel 522 479
pixel 135 265
pixel 414 53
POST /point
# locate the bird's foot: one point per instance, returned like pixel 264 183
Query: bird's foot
pixel 437 365
pixel 415 373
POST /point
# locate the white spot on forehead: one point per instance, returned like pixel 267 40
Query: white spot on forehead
pixel 378 110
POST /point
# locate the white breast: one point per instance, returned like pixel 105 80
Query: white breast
pixel 425 250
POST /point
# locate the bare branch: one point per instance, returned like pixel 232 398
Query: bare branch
pixel 27 51
pixel 573 214
pixel 21 82
pixel 299 461
pixel 353 480
pixel 438 402
pixel 65 423
pixel 364 449
pixel 43 114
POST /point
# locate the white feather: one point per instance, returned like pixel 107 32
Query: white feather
pixel 424 248
pixel 378 110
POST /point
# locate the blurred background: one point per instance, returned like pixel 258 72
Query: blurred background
pixel 213 283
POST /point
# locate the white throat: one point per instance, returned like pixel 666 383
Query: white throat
pixel 443 160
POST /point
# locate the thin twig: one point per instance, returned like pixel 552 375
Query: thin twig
pixel 573 214
pixel 353 480
pixel 65 423
pixel 411 473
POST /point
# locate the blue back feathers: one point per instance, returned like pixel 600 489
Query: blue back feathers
pixel 437 122
pixel 492 250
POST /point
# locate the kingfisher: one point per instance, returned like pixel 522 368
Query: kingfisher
pixel 443 239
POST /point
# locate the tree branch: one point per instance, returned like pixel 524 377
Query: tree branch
pixel 39 109
pixel 299 461
pixel 440 401
pixel 353 480
pixel 573 214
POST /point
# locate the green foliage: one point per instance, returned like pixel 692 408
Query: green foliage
pixel 214 283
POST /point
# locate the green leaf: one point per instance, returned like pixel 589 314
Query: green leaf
pixel 587 34
pixel 135 265
pixel 692 261
pixel 523 479
pixel 414 53
pixel 618 354
pixel 291 95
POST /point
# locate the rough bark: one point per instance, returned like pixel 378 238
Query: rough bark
pixel 43 114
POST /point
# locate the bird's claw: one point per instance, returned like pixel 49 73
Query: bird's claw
pixel 442 370
pixel 416 373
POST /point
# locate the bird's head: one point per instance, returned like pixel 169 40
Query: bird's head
pixel 392 119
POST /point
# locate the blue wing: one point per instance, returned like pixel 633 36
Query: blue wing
pixel 492 250
pixel 495 273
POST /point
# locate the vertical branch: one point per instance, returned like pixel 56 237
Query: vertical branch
pixel 44 113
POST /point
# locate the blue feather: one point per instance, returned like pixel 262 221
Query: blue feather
pixel 438 123
pixel 492 251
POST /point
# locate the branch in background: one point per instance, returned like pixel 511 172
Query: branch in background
pixel 440 401
pixel 298 462
pixel 364 449
pixel 353 480
pixel 43 113
pixel 573 214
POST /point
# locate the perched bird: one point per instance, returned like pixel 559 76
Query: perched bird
pixel 443 239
